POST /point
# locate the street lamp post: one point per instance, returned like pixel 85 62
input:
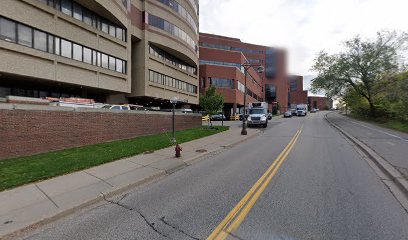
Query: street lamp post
pixel 259 69
pixel 174 101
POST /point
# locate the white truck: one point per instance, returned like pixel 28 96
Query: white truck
pixel 258 114
pixel 301 109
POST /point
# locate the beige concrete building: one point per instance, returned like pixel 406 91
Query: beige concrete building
pixel 114 51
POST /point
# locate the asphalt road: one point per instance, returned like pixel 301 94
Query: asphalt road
pixel 322 190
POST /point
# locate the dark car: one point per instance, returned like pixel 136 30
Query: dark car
pixel 287 114
pixel 269 116
pixel 218 117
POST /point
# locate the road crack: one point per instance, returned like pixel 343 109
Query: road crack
pixel 177 229
pixel 150 224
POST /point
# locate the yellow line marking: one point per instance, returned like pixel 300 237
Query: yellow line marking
pixel 254 192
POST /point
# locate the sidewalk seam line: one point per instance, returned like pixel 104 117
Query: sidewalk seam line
pixel 49 198
pixel 98 178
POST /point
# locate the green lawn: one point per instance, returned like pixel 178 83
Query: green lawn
pixel 22 170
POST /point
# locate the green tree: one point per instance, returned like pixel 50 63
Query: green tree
pixel 211 102
pixel 360 66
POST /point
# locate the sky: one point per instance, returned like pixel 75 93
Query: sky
pixel 303 27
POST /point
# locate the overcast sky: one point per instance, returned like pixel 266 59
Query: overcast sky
pixel 303 27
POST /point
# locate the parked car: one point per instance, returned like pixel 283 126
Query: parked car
pixel 293 111
pixel 313 110
pixel 116 107
pixel 218 117
pixel 287 114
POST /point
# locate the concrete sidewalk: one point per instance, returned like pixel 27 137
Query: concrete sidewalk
pixel 42 202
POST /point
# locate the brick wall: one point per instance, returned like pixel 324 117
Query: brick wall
pixel 35 129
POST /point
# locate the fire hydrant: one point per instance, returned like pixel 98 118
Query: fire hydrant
pixel 178 150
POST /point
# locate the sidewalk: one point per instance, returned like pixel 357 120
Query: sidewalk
pixel 42 202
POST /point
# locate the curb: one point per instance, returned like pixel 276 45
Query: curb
pixel 102 196
pixel 394 175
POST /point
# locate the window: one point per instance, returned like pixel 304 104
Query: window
pixel 116 107
pixel 112 63
pixel 94 58
pixel 57 46
pixel 119 66
pixel 104 26
pixel 66 48
pixel 40 40
pixel 66 7
pixel 119 33
pixel 77 12
pixel 105 61
pixel 7 30
pixel 77 52
pixel 50 44
pixel 88 17
pixel 112 30
pixel 87 55
pixel 25 35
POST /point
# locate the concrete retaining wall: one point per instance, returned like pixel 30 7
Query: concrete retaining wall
pixel 30 129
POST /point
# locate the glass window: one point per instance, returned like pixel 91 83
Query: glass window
pixel 119 33
pixel 116 107
pixel 66 7
pixel 77 52
pixel 105 61
pixel 88 16
pixel 119 66
pixel 40 40
pixel 50 44
pixel 87 55
pixel 99 59
pixel 7 30
pixel 124 67
pixel 112 63
pixel 104 26
pixel 77 12
pixel 125 108
pixel 25 35
pixel 94 58
pixel 66 48
pixel 57 46
pixel 112 30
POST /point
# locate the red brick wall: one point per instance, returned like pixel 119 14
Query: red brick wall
pixel 26 132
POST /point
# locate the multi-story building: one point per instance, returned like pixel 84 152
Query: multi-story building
pixel 322 103
pixel 114 51
pixel 221 60
pixel 296 93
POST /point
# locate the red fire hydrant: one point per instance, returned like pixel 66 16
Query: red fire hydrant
pixel 178 150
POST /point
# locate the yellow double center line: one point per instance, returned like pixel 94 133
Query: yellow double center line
pixel 237 215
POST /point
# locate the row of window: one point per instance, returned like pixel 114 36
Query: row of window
pixel 222 83
pixel 27 36
pixel 241 88
pixel 229 64
pixel 172 29
pixel 75 10
pixel 224 47
pixel 226 64
pixel 155 51
pixel 171 82
pixel 194 3
pixel 181 11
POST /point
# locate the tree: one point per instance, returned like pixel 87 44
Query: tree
pixel 360 66
pixel 211 102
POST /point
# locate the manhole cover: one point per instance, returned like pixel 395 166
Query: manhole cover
pixel 201 150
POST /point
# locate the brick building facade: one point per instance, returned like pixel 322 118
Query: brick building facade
pixel 221 60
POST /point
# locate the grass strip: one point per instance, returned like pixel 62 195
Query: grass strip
pixel 22 170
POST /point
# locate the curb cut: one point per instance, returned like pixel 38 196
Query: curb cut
pixel 385 166
pixel 117 191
